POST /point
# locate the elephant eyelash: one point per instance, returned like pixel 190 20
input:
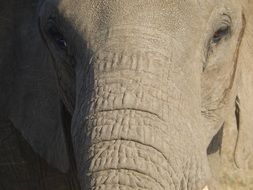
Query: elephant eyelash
pixel 56 35
pixel 220 35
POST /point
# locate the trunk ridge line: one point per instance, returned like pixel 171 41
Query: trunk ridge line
pixel 138 142
pixel 118 185
pixel 123 109
pixel 128 140
pixel 132 170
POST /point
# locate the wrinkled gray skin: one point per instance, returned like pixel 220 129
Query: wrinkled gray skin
pixel 147 83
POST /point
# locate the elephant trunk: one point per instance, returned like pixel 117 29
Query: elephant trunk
pixel 134 129
pixel 128 148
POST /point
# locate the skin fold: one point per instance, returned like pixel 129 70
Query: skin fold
pixel 149 85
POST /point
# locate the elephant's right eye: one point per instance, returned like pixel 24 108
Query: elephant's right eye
pixel 55 35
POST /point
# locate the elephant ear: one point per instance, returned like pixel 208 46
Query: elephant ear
pixel 244 101
pixel 28 82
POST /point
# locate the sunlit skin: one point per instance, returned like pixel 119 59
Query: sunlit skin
pixel 148 84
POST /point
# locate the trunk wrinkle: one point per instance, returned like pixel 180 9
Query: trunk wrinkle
pixel 124 109
pixel 170 168
pixel 132 170
pixel 130 140
pixel 118 185
pixel 174 173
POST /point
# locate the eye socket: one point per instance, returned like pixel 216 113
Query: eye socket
pixel 55 35
pixel 221 33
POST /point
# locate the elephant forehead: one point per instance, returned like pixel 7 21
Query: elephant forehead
pixel 168 15
pixel 142 11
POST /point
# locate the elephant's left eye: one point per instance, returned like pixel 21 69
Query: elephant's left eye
pixel 55 35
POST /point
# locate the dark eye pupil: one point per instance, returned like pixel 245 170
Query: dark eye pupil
pixel 219 34
pixel 56 36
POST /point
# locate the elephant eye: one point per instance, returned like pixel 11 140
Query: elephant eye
pixel 55 35
pixel 220 34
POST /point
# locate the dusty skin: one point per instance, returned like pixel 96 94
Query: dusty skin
pixel 136 94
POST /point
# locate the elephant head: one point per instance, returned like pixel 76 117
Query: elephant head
pixel 148 84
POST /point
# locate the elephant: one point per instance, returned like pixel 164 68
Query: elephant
pixel 149 87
